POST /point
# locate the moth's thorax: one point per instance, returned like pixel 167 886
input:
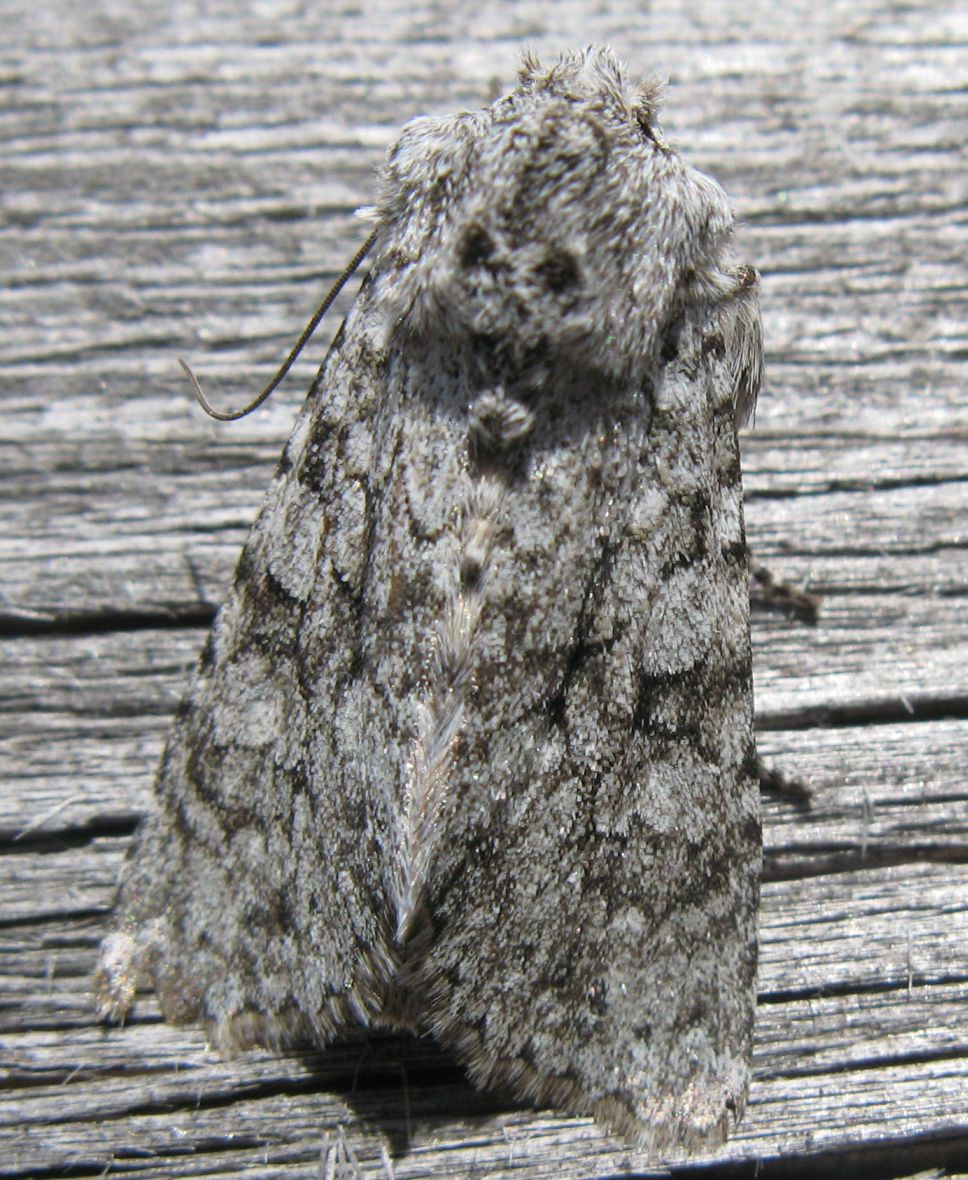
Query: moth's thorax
pixel 554 226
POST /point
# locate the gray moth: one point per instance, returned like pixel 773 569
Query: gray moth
pixel 470 750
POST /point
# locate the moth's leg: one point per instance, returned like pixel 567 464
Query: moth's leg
pixel 766 593
pixel 791 790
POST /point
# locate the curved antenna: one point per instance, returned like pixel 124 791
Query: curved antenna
pixel 297 349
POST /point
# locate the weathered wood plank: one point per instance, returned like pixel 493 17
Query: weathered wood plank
pixel 174 1099
pixel 178 181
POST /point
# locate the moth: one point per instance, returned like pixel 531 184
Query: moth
pixel 470 749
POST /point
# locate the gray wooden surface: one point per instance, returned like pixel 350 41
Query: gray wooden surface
pixel 181 179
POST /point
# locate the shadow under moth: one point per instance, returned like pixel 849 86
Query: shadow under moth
pixel 470 750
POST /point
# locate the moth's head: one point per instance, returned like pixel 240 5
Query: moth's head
pixel 555 227
pixel 597 74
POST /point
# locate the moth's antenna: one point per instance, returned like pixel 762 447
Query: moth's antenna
pixel 297 349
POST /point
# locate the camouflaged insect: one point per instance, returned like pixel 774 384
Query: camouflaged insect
pixel 470 749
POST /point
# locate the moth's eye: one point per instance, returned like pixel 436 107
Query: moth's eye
pixel 747 278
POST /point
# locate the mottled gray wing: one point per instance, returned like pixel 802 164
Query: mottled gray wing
pixel 593 890
pixel 253 898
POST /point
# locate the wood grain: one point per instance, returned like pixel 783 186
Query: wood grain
pixel 182 180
